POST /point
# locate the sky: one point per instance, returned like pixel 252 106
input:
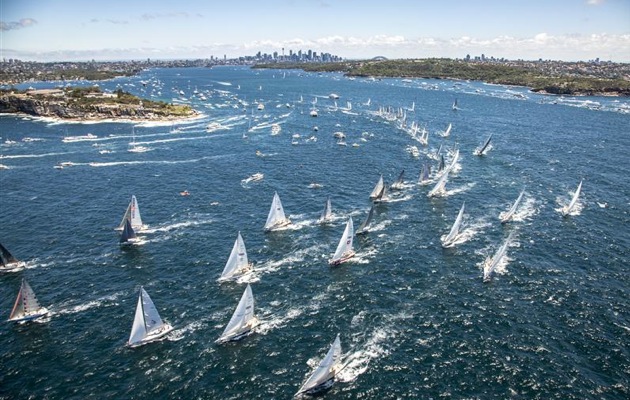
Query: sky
pixel 108 30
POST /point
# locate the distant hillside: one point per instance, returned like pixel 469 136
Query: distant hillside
pixel 554 80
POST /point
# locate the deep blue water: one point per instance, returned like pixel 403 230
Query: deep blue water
pixel 415 320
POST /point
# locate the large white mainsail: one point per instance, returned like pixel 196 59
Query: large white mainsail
pixel 132 214
pixel 450 239
pixel 507 216
pixel 378 188
pixel 344 249
pixel 327 213
pixel 491 264
pixel 147 324
pixel 237 264
pixel 243 320
pixel 566 210
pixel 26 307
pixel 276 218
pixel 324 375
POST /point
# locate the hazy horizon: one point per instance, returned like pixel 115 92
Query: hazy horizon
pixel 563 30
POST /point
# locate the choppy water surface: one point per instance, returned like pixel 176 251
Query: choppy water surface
pixel 415 320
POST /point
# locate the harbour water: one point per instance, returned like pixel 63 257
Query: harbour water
pixel 415 320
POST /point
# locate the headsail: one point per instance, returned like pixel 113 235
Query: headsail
pixel 327 213
pixel 424 174
pixel 378 188
pixel 243 319
pixel 147 323
pixel 133 214
pixel 344 249
pixel 324 375
pixel 365 225
pixel 128 234
pixel 276 217
pixel 7 260
pixel 26 306
pixel 450 239
pixel 566 210
pixel 237 263
pixel 507 216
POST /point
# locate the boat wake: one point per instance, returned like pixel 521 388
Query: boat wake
pixel 270 320
pixel 179 225
pixel 101 301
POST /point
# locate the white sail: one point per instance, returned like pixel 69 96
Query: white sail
pixel 276 217
pixel 324 375
pixel 378 188
pixel 237 263
pixel 451 166
pixel 566 210
pixel 26 306
pixel 344 248
pixel 243 319
pixel 507 216
pixel 440 187
pixel 491 264
pixel 326 214
pixel 133 214
pixel 448 130
pixel 450 239
pixel 147 323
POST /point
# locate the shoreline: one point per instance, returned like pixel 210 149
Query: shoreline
pixel 161 121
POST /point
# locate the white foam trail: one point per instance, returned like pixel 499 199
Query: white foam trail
pixel 101 301
pixel 34 155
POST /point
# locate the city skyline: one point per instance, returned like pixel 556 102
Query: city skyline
pixel 569 30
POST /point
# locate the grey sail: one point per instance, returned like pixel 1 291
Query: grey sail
pixel 128 234
pixel 424 173
pixel 6 258
pixel 327 213
pixel 365 225
pixel 399 183
pixel 484 147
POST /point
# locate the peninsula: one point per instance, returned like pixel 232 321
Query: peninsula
pixel 554 77
pixel 89 104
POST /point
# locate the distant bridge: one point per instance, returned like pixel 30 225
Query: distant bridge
pixel 379 58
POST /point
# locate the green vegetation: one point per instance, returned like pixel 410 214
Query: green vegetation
pixel 524 74
pixel 90 102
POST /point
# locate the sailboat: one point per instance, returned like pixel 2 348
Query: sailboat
pixel 480 150
pixel 377 189
pixel 243 320
pixel 566 210
pixel 399 184
pixel 276 218
pixel 237 264
pixel 147 324
pixel 8 261
pixel 365 225
pixel 383 196
pixel 344 250
pixel 326 215
pixel 491 263
pixel 128 234
pixel 447 131
pixel 133 214
pixel 136 148
pixel 26 307
pixel 455 106
pixel 450 239
pixel 507 216
pixel 440 187
pixel 424 174
pixel 324 375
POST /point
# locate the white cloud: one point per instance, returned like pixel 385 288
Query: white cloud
pixel 594 2
pixel 12 25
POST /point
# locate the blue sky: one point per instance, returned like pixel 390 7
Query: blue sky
pixel 55 30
